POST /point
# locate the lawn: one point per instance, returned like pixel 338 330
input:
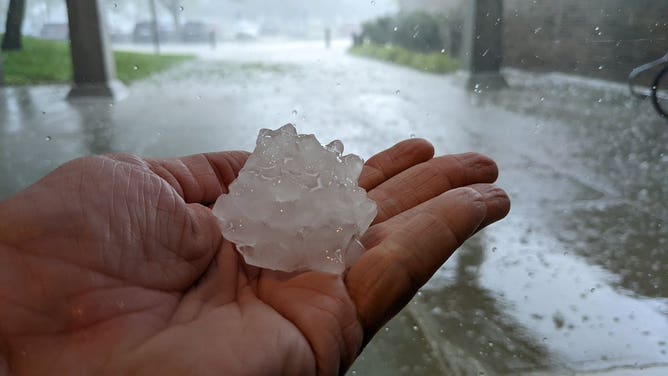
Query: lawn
pixel 435 62
pixel 48 62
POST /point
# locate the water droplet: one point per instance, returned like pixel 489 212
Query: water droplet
pixel 600 67
pixel 597 28
pixel 494 249
pixel 537 30
pixel 396 28
pixel 181 8
pixel 373 3
pixel 415 328
pixel 338 84
pixel 136 67
pixel 443 50
pixel 412 135
pixel 115 5
pixel 592 290
pixel 43 112
pixel 397 92
pixel 199 97
pixel 295 112
pixel 48 138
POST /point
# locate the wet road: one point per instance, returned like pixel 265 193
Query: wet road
pixel 574 281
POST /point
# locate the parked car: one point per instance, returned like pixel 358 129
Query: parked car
pixel 143 32
pixel 246 30
pixel 198 31
pixel 55 31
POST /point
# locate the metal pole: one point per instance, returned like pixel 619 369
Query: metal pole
pixel 154 23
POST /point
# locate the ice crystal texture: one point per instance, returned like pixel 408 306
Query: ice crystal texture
pixel 296 205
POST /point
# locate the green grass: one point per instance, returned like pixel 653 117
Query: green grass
pixel 49 62
pixel 432 62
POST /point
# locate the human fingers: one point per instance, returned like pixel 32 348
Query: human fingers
pixel 394 160
pixel 428 180
pixel 388 275
pixel 496 202
pixel 200 178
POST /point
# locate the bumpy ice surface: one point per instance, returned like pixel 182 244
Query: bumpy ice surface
pixel 296 205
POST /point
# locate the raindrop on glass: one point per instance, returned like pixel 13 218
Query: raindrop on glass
pixel 396 28
pixel 181 8
pixel 136 67
pixel 48 138
pixel 415 328
pixel 295 112
pixel 373 3
pixel 600 67
pixel 412 135
pixel 115 5
pixel 443 51
pixel 397 92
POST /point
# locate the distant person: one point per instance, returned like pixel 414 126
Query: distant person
pixel 328 37
pixel 115 265
pixel 212 39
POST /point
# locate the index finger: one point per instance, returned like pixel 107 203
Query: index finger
pixel 200 178
pixel 393 161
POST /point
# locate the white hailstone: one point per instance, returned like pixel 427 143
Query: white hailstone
pixel 296 205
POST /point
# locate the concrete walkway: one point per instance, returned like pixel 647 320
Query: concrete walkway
pixel 574 281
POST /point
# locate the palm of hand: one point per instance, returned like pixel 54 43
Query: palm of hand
pixel 128 270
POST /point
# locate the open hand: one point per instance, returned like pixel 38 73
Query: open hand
pixel 115 265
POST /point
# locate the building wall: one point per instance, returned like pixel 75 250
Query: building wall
pixel 595 38
pixel 599 38
pixel 439 6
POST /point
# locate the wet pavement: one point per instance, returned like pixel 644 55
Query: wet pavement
pixel 574 281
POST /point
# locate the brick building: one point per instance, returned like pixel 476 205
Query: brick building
pixel 596 38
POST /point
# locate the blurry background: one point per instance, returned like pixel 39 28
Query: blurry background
pixel 573 282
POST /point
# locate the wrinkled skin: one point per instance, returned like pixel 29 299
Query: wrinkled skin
pixel 115 265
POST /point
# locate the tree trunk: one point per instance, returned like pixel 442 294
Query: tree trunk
pixel 174 8
pixel 12 39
